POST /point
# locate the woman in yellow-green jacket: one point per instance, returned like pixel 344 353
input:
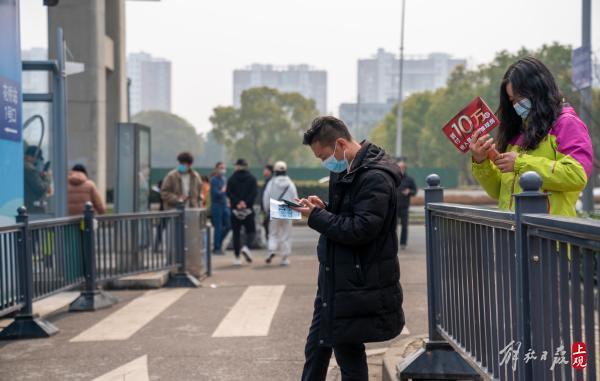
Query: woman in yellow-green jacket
pixel 538 132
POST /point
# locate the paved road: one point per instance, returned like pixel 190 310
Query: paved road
pixel 245 323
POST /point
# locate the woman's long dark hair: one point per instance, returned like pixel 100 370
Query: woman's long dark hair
pixel 530 78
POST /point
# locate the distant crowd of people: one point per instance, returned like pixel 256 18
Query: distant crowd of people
pixel 231 202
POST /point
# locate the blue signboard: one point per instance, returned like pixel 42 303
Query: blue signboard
pixel 582 67
pixel 10 115
pixel 11 144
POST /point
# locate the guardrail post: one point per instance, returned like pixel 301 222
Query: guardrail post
pixel 26 325
pixel 531 200
pixel 433 193
pixel 437 359
pixel 208 251
pixel 91 298
pixel 182 278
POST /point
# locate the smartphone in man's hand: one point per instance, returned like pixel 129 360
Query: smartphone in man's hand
pixel 291 203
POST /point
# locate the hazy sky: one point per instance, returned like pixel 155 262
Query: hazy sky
pixel 207 40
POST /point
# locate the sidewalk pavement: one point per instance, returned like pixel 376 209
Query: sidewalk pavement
pixel 244 323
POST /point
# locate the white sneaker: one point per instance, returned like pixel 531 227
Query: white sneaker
pixel 226 241
pixel 237 262
pixel 285 261
pixel 247 254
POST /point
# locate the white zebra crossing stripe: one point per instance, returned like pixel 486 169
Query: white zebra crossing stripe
pixel 137 370
pixel 252 314
pixel 122 324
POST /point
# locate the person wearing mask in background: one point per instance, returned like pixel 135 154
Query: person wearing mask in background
pixel 242 190
pixel 37 180
pixel 219 209
pixel 406 190
pixel 182 184
pixel 359 297
pixel 267 175
pixel 538 132
pixel 80 190
pixel 280 238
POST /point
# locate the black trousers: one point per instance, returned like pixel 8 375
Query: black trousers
pixel 403 216
pixel 266 221
pixel 351 358
pixel 249 229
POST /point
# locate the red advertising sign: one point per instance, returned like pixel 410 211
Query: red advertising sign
pixel 578 356
pixel 476 116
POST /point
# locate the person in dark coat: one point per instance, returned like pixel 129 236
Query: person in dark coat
pixel 406 190
pixel 37 181
pixel 359 296
pixel 242 190
pixel 219 206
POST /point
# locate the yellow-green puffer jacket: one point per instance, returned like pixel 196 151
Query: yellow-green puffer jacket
pixel 563 159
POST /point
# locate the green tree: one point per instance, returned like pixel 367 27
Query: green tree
pixel 384 133
pixel 171 134
pixel 267 127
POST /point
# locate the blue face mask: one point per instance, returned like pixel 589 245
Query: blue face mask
pixel 182 168
pixel 523 107
pixel 335 165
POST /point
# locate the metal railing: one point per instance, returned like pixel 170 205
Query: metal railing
pixel 41 258
pixel 564 271
pixel 55 249
pixel 513 294
pixel 10 291
pixel 135 243
pixel 473 267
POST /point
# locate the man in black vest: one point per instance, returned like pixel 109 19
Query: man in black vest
pixel 359 297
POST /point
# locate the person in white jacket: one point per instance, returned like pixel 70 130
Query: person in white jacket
pixel 280 231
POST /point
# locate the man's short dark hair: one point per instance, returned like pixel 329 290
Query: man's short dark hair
pixel 185 158
pixel 326 130
pixel 79 168
pixel 218 163
pixel 241 162
pixel 269 167
pixel 34 152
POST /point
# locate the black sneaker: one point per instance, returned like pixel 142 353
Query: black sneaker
pixel 270 258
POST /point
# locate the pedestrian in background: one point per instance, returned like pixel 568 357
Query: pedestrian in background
pixel 406 190
pixel 242 190
pixel 280 238
pixel 182 184
pixel 81 190
pixel 205 194
pixel 219 208
pixel 38 180
pixel 538 132
pixel 359 297
pixel 267 175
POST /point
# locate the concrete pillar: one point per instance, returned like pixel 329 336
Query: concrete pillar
pixel 116 82
pixel 97 98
